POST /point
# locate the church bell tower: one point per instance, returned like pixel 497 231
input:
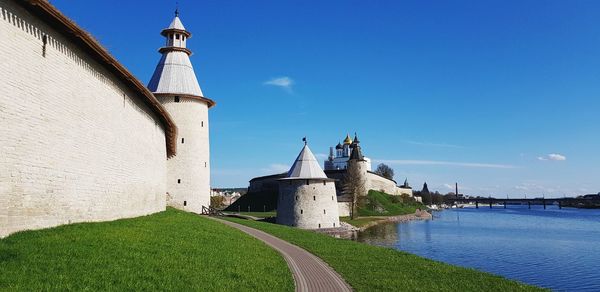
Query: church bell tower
pixel 175 85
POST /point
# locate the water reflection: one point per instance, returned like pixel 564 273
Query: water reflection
pixel 383 234
pixel 553 248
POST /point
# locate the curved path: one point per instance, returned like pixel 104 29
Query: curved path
pixel 310 272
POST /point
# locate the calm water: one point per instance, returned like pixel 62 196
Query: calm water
pixel 557 249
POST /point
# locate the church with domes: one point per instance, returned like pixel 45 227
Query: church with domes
pixel 338 159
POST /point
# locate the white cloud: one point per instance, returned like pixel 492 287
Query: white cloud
pixel 535 188
pixel 553 157
pixel 443 145
pixel 321 155
pixel 283 82
pixel 445 163
pixel 449 186
pixel 557 157
pixel 275 168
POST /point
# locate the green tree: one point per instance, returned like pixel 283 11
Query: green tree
pixel 353 185
pixel 217 202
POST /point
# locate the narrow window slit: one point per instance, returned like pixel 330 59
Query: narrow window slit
pixel 44 43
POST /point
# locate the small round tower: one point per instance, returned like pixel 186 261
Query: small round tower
pixel 175 85
pixel 307 197
pixel 363 166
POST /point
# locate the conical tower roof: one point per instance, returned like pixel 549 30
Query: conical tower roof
pixel 174 74
pixel 306 166
pixel 176 23
pixel 357 154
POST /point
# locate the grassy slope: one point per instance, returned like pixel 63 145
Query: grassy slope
pixel 382 204
pixel 171 250
pixel 359 222
pixel 372 268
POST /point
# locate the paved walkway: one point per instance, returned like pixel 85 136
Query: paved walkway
pixel 310 272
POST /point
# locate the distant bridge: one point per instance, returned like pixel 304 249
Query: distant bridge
pixel 562 202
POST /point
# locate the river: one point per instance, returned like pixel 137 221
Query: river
pixel 552 248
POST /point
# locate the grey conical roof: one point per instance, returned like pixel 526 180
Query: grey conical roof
pixel 306 166
pixel 174 73
pixel 176 24
pixel 356 153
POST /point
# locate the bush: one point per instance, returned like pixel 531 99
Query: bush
pixel 217 202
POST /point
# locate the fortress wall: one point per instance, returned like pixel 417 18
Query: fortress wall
pixel 76 143
pixel 403 191
pixel 307 205
pixel 378 183
pixel 188 178
pixel 266 183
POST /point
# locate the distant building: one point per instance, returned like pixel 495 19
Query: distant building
pixel 229 197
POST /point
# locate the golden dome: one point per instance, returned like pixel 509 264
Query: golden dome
pixel 348 140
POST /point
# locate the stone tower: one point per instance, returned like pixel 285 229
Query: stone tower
pixel 307 197
pixel 175 85
pixel 357 158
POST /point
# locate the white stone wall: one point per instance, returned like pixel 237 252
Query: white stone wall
pixel 403 191
pixel 188 182
pixel 76 144
pixel 308 206
pixel 378 183
pixel 344 209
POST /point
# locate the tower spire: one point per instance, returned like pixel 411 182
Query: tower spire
pixel 176 8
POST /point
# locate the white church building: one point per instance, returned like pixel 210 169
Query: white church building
pixel 338 159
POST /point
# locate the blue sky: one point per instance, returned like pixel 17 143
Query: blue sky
pixel 501 96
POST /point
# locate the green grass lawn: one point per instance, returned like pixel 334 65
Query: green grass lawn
pixel 381 204
pixel 171 250
pixel 372 268
pixel 359 222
